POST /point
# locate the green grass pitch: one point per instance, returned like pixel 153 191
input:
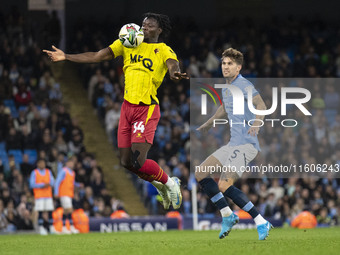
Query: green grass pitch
pixel 280 241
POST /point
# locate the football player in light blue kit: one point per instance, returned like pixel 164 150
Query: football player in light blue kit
pixel 241 149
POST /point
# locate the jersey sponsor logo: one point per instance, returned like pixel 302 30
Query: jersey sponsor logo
pixel 147 63
pixel 138 126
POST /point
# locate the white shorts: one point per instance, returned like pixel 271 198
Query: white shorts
pixel 66 202
pixel 237 157
pixel 43 204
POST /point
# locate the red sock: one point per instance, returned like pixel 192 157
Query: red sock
pixel 154 171
pixel 143 176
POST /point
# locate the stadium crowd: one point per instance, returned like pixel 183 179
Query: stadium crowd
pixel 281 48
pixel 34 123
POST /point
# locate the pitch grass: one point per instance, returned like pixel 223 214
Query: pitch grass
pixel 280 241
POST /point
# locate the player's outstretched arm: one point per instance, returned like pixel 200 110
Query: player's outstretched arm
pixel 174 70
pixel 86 57
pixel 220 113
pixel 259 105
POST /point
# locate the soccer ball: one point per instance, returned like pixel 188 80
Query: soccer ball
pixel 131 35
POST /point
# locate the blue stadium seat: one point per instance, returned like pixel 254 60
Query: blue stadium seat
pixel 3 153
pixel 3 157
pixel 32 156
pixel 2 146
pixel 17 155
pixel 100 101
pixel 9 102
pixel 23 108
pixel 11 105
pixel 14 112
pixel 330 115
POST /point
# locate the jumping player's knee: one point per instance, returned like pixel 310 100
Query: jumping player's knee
pixel 135 160
pixel 224 185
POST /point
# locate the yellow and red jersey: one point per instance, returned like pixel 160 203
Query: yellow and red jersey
pixel 144 69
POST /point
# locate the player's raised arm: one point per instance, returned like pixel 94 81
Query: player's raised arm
pixel 174 70
pixel 86 57
pixel 220 113
pixel 259 105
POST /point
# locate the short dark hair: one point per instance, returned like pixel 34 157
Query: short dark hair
pixel 234 55
pixel 163 22
pixel 41 159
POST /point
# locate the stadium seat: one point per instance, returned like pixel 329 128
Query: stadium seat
pixel 9 102
pixel 22 108
pixel 11 105
pixel 2 146
pixel 3 154
pixel 32 156
pixel 330 115
pixel 17 155
pixel 3 157
pixel 100 101
pixel 14 112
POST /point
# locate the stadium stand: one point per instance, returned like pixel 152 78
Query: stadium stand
pixel 34 123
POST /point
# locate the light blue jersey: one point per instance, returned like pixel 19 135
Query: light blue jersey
pixel 238 132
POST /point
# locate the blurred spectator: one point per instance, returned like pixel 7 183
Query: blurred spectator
pixel 22 121
pixel 52 30
pixel 111 121
pixel 4 116
pixel 25 221
pixel 25 166
pixel 3 220
pixel 96 182
pixel 13 140
pixel 23 96
pixel 55 93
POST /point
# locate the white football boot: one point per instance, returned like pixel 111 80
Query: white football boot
pixel 42 231
pixel 163 192
pixel 53 230
pixel 175 193
pixel 65 231
pixel 74 230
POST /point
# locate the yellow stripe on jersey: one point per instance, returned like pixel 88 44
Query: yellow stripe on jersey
pixel 144 69
pixel 150 112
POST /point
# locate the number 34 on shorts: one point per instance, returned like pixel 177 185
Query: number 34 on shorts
pixel 138 128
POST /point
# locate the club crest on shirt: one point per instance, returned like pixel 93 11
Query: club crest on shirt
pixel 156 51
